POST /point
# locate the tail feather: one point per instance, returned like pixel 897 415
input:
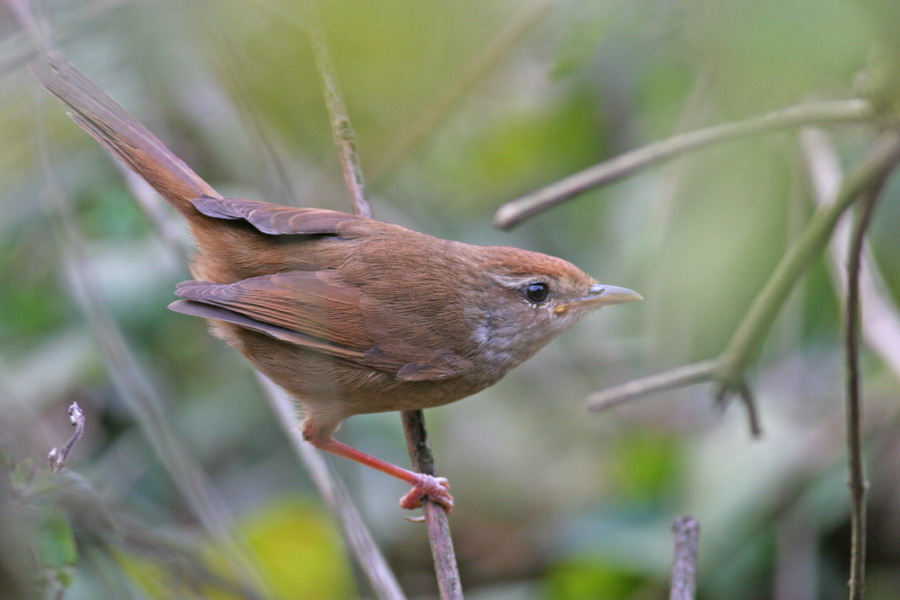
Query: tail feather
pixel 111 125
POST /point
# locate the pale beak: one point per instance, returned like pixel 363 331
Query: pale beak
pixel 600 295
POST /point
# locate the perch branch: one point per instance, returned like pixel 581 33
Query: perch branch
pixel 442 551
pixel 837 111
pixel 446 569
pixel 684 567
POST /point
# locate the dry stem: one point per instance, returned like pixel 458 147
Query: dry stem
pixel 58 456
pixel 341 129
pixel 857 477
pixel 684 567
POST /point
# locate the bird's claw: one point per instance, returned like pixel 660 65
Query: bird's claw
pixel 435 489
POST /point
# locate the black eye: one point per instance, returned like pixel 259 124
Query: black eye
pixel 537 292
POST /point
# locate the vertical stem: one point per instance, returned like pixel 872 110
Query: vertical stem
pixel 684 567
pixel 857 477
pixel 341 129
pixel 435 517
pixel 413 421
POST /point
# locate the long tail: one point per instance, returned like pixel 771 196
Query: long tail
pixel 123 135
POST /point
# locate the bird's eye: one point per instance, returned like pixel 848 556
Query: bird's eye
pixel 537 292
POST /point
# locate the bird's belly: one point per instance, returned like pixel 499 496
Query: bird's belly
pixel 316 378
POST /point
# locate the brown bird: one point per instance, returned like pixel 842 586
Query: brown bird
pixel 348 314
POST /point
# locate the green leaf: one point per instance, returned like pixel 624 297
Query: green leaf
pixel 54 542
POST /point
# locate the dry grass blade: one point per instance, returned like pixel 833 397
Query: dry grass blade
pixel 359 538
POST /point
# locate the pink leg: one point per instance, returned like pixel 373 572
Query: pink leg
pixel 424 486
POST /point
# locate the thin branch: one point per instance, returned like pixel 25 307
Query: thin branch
pixel 442 552
pixel 58 456
pixel 819 113
pixel 857 477
pixel 745 394
pixel 684 567
pixel 341 129
pixel 672 379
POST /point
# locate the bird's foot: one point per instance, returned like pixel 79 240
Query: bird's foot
pixel 436 489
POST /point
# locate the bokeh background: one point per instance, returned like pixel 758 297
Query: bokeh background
pixel 458 107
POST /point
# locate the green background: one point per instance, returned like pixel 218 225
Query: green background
pixel 458 107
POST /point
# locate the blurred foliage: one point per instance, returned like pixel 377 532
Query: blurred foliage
pixel 458 106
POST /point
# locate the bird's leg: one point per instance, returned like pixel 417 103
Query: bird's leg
pixel 423 486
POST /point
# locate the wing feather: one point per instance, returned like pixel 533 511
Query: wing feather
pixel 312 309
pixel 274 219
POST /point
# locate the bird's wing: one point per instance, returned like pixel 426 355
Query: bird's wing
pixel 273 218
pixel 314 310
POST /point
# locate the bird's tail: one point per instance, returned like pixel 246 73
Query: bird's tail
pixel 123 135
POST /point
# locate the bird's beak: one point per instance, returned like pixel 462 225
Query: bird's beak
pixel 600 295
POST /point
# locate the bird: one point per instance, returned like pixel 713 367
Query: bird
pixel 348 314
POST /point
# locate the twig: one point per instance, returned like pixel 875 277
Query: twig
pixel 838 111
pixel 57 457
pixel 341 129
pixel 672 379
pixel 684 567
pixel 359 538
pixel 442 552
pixel 857 477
